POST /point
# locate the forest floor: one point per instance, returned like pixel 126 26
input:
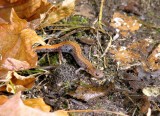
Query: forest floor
pixel 126 75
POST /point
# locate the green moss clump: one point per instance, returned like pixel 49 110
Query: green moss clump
pixel 75 20
pixel 29 72
pixel 42 61
pixel 54 59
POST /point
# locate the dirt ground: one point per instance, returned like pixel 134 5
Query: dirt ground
pixel 120 90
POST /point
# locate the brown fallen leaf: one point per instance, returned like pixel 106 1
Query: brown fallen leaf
pixel 3 99
pixel 142 102
pixel 16 42
pixel 18 82
pixel 154 59
pixel 124 23
pixel 89 92
pixel 32 10
pixel 25 9
pixel 85 10
pixel 152 91
pixel 88 41
pixel 15 107
pixel 131 7
pixel 37 103
pixel 138 53
pixel 13 64
pixel 56 13
pixel 138 79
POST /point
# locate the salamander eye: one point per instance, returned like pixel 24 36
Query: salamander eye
pixel 70 51
pixel 99 74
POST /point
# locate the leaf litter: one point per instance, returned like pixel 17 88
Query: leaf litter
pixel 131 64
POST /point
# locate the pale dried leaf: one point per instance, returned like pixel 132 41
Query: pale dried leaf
pixel 154 59
pixel 89 92
pixel 37 103
pixel 16 42
pixel 20 83
pixel 151 91
pixel 3 99
pixel 56 13
pixel 124 23
pixel 26 9
pixel 85 10
pixel 15 107
pixel 13 64
pixel 134 54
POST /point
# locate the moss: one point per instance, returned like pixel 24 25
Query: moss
pixel 158 30
pixel 29 72
pixel 49 60
pixel 82 83
pixel 75 20
pixel 42 61
pixel 79 34
pixel 110 97
pixel 67 84
pixel 65 105
pixel 78 20
pixel 54 59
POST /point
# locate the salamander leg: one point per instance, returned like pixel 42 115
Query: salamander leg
pixel 61 59
pixel 78 70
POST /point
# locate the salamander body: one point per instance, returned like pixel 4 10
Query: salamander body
pixel 74 49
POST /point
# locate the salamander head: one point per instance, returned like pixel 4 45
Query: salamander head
pixel 96 73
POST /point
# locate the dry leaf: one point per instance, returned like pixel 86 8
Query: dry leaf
pixel 37 103
pixel 135 54
pixel 89 92
pixel 154 59
pixel 124 23
pixel 26 9
pixel 86 94
pixel 151 91
pixel 15 107
pixel 143 103
pixel 19 83
pixel 56 13
pixel 3 99
pixel 85 10
pixel 13 64
pixel 16 42
pixel 33 9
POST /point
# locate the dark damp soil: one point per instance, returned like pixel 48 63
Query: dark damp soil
pixel 62 88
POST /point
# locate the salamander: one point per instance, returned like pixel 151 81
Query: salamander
pixel 74 49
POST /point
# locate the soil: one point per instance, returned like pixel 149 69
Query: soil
pixel 119 90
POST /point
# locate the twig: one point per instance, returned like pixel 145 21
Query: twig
pixel 100 14
pixel 108 46
pixel 134 112
pixel 111 112
pixel 68 34
pixel 156 106
pixel 97 37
